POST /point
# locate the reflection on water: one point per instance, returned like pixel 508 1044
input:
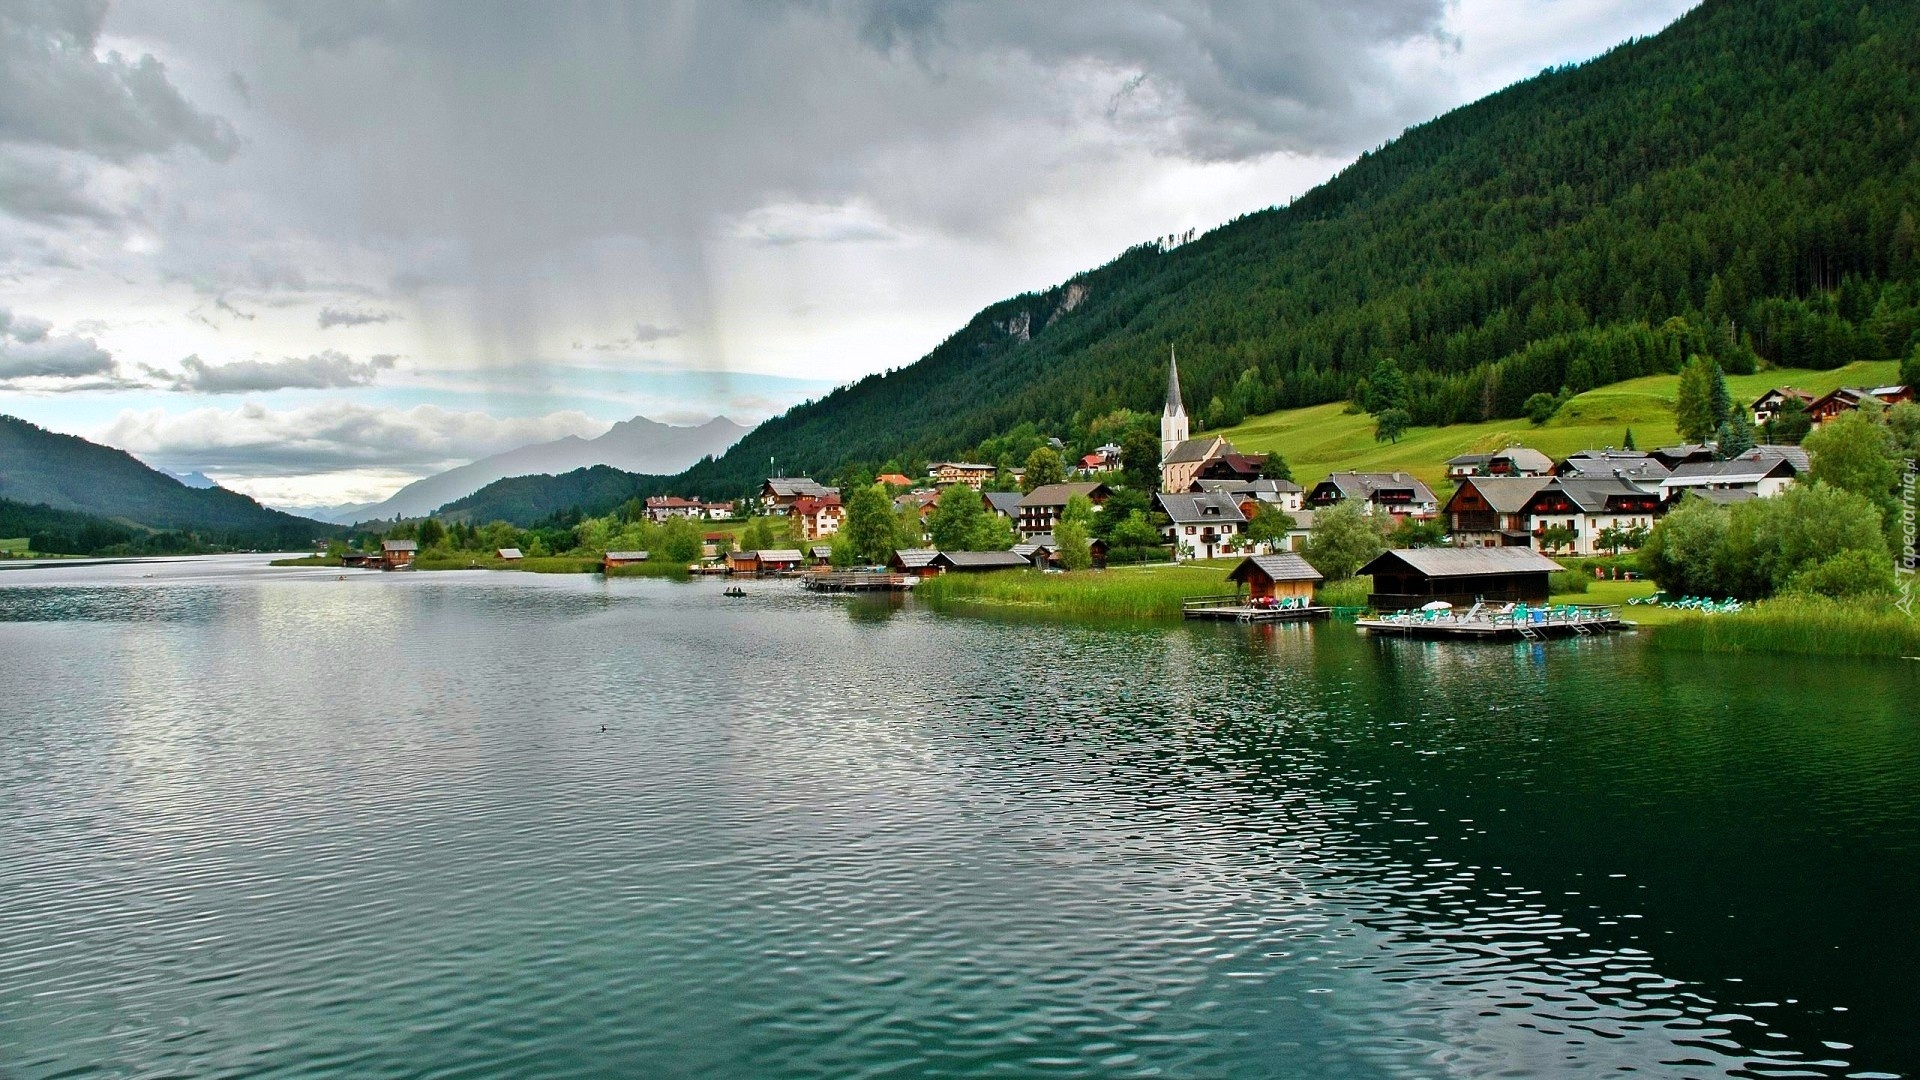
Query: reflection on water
pixel 285 823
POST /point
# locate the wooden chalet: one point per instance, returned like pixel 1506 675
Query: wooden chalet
pixel 1397 494
pixel 777 560
pixel 743 562
pixel 1625 464
pixel 972 474
pixel 1490 511
pixel 974 562
pixel 1416 577
pixel 1041 508
pixel 1589 507
pixel 917 562
pixel 397 554
pixel 1766 408
pixel 781 492
pixel 1848 398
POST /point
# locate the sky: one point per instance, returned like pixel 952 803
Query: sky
pixel 318 250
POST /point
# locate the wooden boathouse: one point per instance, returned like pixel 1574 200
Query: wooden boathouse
pixel 1278 588
pixel 1416 577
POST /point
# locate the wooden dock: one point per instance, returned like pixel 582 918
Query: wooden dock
pixel 857 581
pixel 1527 624
pixel 1238 608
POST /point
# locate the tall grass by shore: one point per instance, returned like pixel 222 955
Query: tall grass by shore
pixel 1806 625
pixel 1138 594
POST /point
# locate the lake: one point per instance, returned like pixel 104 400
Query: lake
pixel 280 823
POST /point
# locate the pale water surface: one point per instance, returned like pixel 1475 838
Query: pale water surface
pixel 273 823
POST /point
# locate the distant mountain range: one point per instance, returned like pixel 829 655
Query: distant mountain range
pixel 101 492
pixel 195 479
pixel 638 445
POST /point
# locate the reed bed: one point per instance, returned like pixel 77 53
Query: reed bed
pixel 1807 625
pixel 1150 593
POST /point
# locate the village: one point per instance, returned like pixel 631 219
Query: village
pixel 1475 561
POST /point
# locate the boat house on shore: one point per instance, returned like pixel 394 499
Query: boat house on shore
pixel 397 554
pixel 1276 577
pixel 1416 577
pixel 622 558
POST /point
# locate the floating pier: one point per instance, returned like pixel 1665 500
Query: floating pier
pixel 857 581
pixel 1510 623
pixel 1238 608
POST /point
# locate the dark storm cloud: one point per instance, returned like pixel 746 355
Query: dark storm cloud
pixel 331 317
pixel 56 91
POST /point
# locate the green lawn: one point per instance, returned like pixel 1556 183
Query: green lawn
pixel 14 547
pixel 1322 438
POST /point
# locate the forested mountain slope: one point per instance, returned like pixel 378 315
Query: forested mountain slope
pixel 66 473
pixel 1743 184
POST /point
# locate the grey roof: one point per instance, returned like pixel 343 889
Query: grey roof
pixel 1363 485
pixel 1255 488
pixel 1279 568
pixel 1197 449
pixel 778 554
pixel 1524 458
pixel 1795 456
pixel 1590 493
pixel 1469 459
pixel 915 558
pixel 1740 470
pixel 1506 494
pixel 508 553
pixel 1630 463
pixel 796 486
pixel 628 556
pixel 1002 502
pixel 820 551
pixel 1058 494
pixel 398 545
pixel 1467 562
pixel 1189 508
pixel 982 560
pixel 1175 404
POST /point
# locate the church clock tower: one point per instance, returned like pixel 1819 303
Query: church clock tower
pixel 1173 422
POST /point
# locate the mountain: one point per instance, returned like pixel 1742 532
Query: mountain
pixel 1741 185
pixel 110 488
pixel 194 479
pixel 638 445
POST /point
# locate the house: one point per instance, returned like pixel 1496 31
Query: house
pixel 1039 550
pixel 1512 461
pixel 1848 398
pixel 1396 493
pixel 395 554
pixel 1767 406
pixel 1231 465
pixel 1203 524
pixel 974 562
pixel 1041 508
pixel 972 474
pixel 1415 577
pixel 719 511
pixel 1589 506
pixel 915 561
pixel 1764 473
pixel 662 507
pixel 820 555
pixel 1490 511
pixel 893 480
pixel 743 562
pixel 819 516
pixel 1276 577
pixel 1625 464
pixel 1284 494
pixel 621 558
pixel 1104 459
pixel 1004 503
pixel 781 492
pixel 777 560
pixel 508 554
pixel 1182 465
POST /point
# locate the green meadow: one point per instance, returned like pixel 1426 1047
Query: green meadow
pixel 1326 438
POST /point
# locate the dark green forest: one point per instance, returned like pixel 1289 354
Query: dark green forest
pixel 77 497
pixel 1743 185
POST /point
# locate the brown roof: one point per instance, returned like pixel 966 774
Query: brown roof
pixel 1277 567
pixel 1058 494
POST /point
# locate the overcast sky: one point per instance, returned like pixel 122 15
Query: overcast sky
pixel 320 249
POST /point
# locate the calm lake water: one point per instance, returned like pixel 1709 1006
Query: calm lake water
pixel 260 822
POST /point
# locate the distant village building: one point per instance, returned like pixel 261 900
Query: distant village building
pixel 1589 507
pixel 1203 525
pixel 1625 464
pixel 779 493
pixel 1490 511
pixel 1004 503
pixel 662 507
pixel 1184 462
pixel 1767 406
pixel 1230 464
pixel 1684 454
pixel 1397 494
pixel 1763 470
pixel 1041 508
pixel 1849 398
pixel 818 516
pixel 395 554
pixel 1283 494
pixel 893 479
pixel 972 474
pixel 1276 577
pixel 1415 577
pixel 1512 461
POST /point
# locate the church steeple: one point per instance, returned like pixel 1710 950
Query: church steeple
pixel 1173 421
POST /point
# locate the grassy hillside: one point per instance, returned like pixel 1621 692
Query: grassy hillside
pixel 1326 438
pixel 106 491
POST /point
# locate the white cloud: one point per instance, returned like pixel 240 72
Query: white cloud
pixel 254 441
pixel 30 352
pixel 331 317
pixel 322 371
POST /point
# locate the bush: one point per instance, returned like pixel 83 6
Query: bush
pixel 1812 538
pixel 1563 582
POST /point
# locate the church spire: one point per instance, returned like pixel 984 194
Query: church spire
pixel 1173 422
